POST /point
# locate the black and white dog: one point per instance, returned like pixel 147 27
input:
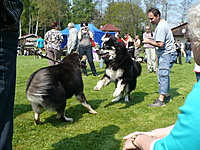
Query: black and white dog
pixel 49 88
pixel 120 68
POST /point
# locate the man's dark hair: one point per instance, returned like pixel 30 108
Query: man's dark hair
pixel 54 24
pixel 84 24
pixel 154 11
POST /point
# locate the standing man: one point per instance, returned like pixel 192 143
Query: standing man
pixel 53 40
pixel 10 11
pixel 164 42
pixel 72 43
pixel 188 50
pixel 137 47
pixel 85 47
pixel 40 45
pixel 150 51
pixel 178 50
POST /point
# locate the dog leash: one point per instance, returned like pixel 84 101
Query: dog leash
pixel 55 61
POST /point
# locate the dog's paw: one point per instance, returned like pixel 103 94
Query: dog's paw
pixel 92 112
pixel 68 119
pixel 127 99
pixel 37 122
pixel 115 100
pixel 117 93
pixel 97 88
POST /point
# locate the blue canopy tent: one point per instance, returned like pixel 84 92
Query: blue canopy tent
pixel 97 33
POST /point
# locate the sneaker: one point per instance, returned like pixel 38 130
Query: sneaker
pixel 157 103
pixel 167 99
pixel 96 75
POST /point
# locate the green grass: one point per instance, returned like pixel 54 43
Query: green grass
pixel 105 130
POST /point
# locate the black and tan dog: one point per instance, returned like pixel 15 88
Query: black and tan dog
pixel 120 68
pixel 49 87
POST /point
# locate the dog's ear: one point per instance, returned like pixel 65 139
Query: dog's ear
pixel 111 42
pixel 83 62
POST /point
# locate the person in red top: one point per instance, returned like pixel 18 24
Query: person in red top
pixel 119 38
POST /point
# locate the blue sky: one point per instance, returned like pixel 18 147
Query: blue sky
pixel 174 17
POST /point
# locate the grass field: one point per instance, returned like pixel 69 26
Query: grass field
pixel 104 131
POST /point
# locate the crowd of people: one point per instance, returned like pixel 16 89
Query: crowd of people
pixel 184 134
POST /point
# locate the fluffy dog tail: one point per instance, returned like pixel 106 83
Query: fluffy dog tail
pixel 138 68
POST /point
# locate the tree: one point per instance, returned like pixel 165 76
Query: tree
pixel 82 11
pixel 151 3
pixel 38 14
pixel 184 5
pixel 125 15
pixel 98 14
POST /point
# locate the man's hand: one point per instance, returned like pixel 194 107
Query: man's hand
pixel 146 41
pixel 128 145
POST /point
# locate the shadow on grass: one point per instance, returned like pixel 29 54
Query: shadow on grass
pixel 135 97
pixel 73 112
pixel 95 140
pixel 21 109
pixel 174 92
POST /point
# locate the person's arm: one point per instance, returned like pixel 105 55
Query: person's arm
pixel 143 140
pixel 91 34
pixel 73 41
pixel 154 43
pixel 157 133
pixel 36 44
pixel 140 142
pixel 79 35
pixel 103 37
pixel 60 37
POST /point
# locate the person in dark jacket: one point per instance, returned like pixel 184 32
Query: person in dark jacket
pixel 10 12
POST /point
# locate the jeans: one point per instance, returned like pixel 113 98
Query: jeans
pixel 101 63
pixel 197 76
pixel 8 52
pixel 188 56
pixel 87 50
pixel 165 63
pixel 179 58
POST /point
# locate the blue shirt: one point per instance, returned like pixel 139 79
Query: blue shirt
pixel 186 133
pixel 164 34
pixel 40 43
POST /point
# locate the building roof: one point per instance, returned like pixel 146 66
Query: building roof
pixel 109 28
pixel 27 36
pixel 179 30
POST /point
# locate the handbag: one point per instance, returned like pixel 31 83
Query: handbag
pixel 92 41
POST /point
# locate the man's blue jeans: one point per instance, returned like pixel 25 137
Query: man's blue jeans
pixel 197 76
pixel 188 56
pixel 8 51
pixel 165 63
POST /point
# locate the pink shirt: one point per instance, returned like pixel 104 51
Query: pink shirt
pixel 148 35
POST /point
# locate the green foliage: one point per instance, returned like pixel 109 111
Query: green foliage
pixel 82 10
pixel 125 15
pixel 47 11
pixel 105 130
